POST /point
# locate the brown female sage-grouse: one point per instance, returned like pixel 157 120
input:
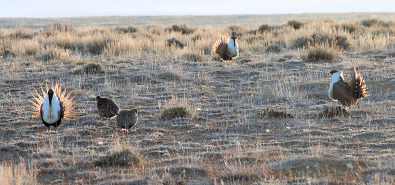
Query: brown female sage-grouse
pixel 126 119
pixel 347 93
pixel 227 49
pixel 53 105
pixel 107 107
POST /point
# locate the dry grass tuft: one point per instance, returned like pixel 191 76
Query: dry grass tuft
pixel 334 111
pixel 123 156
pixel 91 68
pixel 274 113
pixel 53 53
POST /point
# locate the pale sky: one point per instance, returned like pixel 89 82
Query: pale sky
pixel 77 8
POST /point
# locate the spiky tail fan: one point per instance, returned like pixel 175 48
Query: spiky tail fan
pixel 358 86
pixel 68 102
pixel 218 42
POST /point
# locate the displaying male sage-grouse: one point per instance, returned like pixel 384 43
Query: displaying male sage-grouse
pixel 127 119
pixel 107 107
pixel 347 93
pixel 53 105
pixel 227 49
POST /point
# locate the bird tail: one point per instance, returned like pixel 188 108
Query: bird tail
pixel 216 44
pixel 358 87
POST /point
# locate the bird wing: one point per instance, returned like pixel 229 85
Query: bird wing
pixel 113 107
pixel 341 92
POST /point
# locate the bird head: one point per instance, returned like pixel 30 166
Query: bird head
pixel 334 71
pixel 50 95
pixel 134 111
pixel 98 98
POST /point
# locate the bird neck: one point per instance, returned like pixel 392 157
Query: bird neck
pixel 336 77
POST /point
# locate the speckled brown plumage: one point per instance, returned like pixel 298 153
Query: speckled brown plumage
pixel 106 107
pixel 127 119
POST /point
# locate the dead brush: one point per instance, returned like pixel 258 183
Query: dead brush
pixel 274 113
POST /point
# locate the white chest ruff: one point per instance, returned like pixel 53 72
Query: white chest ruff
pixel 51 112
pixel 233 49
pixel 335 78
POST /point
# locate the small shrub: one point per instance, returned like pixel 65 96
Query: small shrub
pixel 183 28
pixel 275 113
pixel 91 68
pixel 350 27
pixel 369 22
pixel 342 42
pixel 301 42
pixel 334 111
pixel 192 57
pixel 320 54
pixel 7 53
pixel 236 28
pixel 97 45
pixel 176 112
pixel 273 48
pixel 295 24
pixel 175 42
pixel 53 53
pixel 51 29
pixel 265 28
pixel 129 29
pixel 122 157
pixel 196 38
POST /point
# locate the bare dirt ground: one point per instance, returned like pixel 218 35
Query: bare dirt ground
pixel 228 141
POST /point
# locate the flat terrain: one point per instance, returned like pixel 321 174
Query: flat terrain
pixel 198 21
pixel 229 140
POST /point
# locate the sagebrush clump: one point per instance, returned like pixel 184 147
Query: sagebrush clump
pixel 320 53
pixel 90 68
pixel 176 112
pixel 121 157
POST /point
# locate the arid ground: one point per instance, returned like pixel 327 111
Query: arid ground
pixel 258 119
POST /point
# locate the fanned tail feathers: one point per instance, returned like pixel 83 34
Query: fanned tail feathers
pixel 216 44
pixel 358 87
pixel 69 104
